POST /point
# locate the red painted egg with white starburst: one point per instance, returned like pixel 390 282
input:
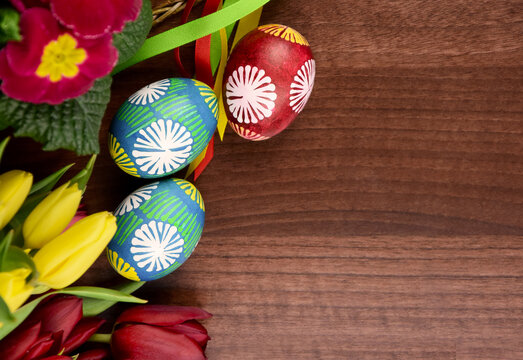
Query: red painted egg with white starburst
pixel 267 81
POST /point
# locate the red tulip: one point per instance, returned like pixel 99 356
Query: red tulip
pixel 54 327
pixel 160 332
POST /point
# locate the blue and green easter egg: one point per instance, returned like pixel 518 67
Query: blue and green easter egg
pixel 163 127
pixel 159 225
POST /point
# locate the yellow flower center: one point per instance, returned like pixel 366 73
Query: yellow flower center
pixel 61 58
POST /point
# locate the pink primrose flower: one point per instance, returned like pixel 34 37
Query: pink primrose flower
pixel 92 19
pixel 51 64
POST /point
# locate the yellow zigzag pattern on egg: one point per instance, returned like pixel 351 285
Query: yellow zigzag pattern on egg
pixel 209 96
pixel 120 157
pixel 285 33
pixel 121 266
pixel 246 133
pixel 191 190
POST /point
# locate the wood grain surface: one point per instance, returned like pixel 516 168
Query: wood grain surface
pixel 387 221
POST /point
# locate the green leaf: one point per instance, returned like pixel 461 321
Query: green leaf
pixel 72 125
pixel 134 34
pixel 101 293
pixel 47 184
pixel 3 145
pixel 17 258
pixel 19 316
pixel 9 25
pixel 5 314
pixel 9 324
pixel 17 221
pixel 93 307
pixel 4 246
pixel 83 176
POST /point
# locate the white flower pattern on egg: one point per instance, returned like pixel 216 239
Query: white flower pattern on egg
pixel 162 147
pixel 134 200
pixel 150 93
pixel 301 88
pixel 250 94
pixel 156 245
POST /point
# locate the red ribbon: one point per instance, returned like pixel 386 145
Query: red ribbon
pixel 177 60
pixel 206 160
pixel 202 66
pixel 202 52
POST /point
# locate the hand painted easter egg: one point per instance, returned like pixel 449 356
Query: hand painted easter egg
pixel 163 127
pixel 159 225
pixel 267 81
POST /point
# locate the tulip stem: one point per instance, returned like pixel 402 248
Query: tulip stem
pixel 101 338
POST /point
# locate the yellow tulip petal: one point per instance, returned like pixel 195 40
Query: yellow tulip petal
pixel 13 288
pixel 63 260
pixel 14 188
pixel 51 216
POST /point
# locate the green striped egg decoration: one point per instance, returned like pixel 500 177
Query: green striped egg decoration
pixel 162 127
pixel 159 225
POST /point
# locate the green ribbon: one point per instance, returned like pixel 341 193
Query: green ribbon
pixel 192 31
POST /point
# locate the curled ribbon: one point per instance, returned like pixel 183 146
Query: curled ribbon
pixel 192 31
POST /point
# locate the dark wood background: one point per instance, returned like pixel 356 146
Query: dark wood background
pixel 386 222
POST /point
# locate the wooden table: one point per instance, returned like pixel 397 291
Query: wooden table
pixel 386 222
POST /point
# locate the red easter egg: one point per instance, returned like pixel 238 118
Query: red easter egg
pixel 267 81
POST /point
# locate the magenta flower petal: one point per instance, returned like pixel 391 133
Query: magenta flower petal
pixel 150 342
pixel 128 10
pixel 37 27
pixel 102 56
pixel 104 17
pixel 50 65
pixel 26 88
pixel 72 87
pixel 162 315
pixel 18 5
pixel 15 345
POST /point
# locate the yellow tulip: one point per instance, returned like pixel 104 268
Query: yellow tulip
pixel 13 288
pixel 51 216
pixel 64 259
pixel 14 188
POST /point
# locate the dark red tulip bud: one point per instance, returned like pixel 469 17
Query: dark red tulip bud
pixel 47 343
pixel 147 342
pixel 162 315
pixel 16 344
pixel 58 313
pixel 52 331
pixel 81 333
pixel 160 332
pixel 192 329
